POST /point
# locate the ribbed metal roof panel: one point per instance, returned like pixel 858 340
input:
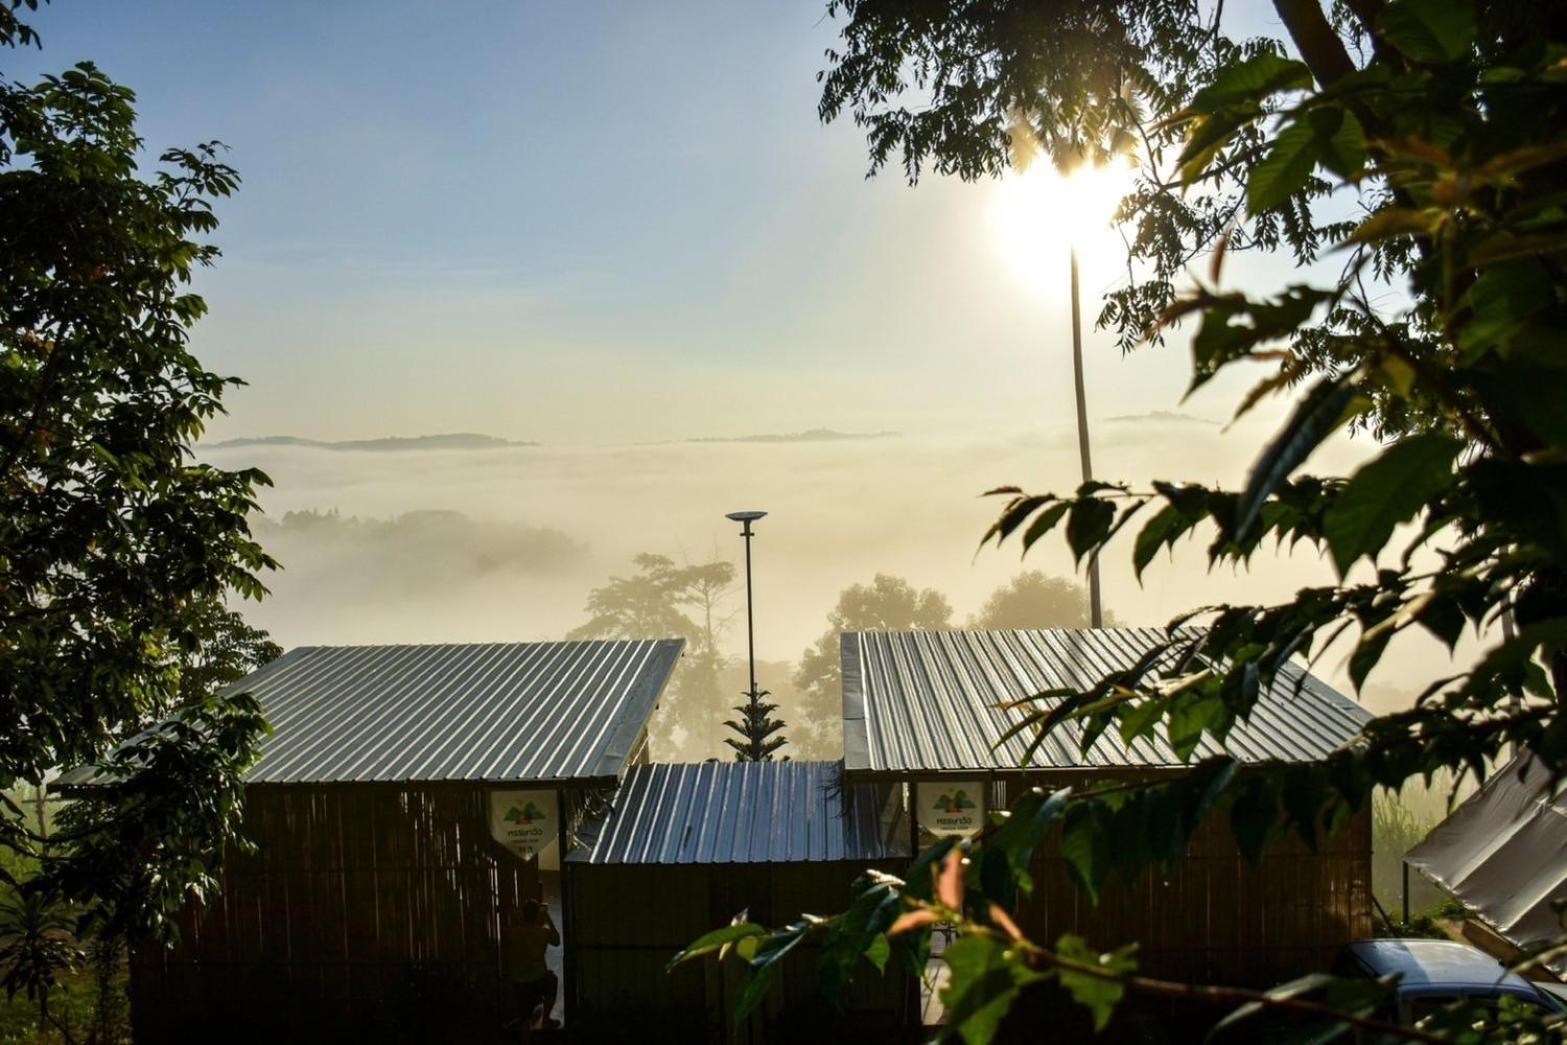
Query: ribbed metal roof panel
pixel 928 701
pixel 495 712
pixel 745 813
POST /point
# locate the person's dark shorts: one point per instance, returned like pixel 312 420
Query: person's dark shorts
pixel 535 993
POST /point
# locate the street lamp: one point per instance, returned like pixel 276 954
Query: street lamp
pixel 745 519
pixel 757 727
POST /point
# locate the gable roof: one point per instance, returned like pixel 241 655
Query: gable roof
pixel 511 712
pixel 926 702
pixel 1503 854
pixel 745 813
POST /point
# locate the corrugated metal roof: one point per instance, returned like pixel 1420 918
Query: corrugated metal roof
pixel 746 813
pixel 508 712
pixel 925 701
pixel 1503 854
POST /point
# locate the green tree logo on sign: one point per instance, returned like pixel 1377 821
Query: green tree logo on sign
pixel 524 815
pixel 953 803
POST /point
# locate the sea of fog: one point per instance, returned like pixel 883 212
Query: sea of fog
pixel 505 543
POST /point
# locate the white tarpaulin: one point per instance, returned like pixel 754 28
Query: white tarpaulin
pixel 1503 854
pixel 527 823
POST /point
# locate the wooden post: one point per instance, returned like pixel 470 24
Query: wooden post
pixel 1406 892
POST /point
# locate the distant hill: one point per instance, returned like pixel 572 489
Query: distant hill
pixel 1163 417
pixel 814 435
pixel 450 441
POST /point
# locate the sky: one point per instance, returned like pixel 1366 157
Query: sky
pixel 578 223
pixel 609 228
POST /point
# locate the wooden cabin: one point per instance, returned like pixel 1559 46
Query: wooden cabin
pixel 408 800
pixel 925 710
pixel 411 798
pixel 688 848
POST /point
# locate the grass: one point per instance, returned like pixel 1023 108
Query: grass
pixel 1400 821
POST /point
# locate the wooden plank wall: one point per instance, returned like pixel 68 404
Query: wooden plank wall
pixel 364 913
pixel 1215 918
pixel 628 921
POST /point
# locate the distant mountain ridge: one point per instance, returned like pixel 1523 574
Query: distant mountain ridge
pixel 813 435
pixel 447 441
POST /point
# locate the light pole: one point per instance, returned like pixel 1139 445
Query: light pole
pixel 757 726
pixel 745 519
pixel 1095 607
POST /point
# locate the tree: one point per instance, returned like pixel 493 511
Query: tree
pixel 887 603
pixel 659 602
pixel 118 551
pixel 1445 122
pixel 759 733
pixel 1034 600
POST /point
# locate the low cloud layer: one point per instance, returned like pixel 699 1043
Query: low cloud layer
pixel 506 543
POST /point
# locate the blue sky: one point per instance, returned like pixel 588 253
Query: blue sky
pixel 577 222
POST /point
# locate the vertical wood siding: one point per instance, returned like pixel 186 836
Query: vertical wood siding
pixel 365 913
pixel 630 920
pixel 1213 917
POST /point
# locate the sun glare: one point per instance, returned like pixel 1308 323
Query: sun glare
pixel 1040 214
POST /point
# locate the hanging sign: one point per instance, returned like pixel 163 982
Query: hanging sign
pixel 527 823
pixel 950 807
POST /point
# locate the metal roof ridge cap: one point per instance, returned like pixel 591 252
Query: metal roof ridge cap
pixel 644 693
pixel 855 712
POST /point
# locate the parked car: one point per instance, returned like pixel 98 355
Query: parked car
pixel 1433 974
pixel 1429 976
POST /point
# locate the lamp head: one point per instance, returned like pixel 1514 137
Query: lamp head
pixel 745 517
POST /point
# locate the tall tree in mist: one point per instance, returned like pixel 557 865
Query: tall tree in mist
pixel 887 603
pixel 118 551
pixel 665 599
pixel 1033 599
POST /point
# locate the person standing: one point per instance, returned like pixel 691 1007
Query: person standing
pixel 531 935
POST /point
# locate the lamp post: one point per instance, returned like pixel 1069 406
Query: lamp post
pixel 745 519
pixel 1095 607
pixel 754 731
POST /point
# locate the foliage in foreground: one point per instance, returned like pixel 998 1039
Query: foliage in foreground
pixel 1450 136
pixel 118 551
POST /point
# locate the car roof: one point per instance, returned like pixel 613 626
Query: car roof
pixel 1437 964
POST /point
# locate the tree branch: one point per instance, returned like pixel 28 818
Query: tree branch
pixel 1319 46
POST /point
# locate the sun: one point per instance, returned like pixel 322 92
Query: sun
pixel 1039 215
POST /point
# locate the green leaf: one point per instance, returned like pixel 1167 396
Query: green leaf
pixel 1253 815
pixel 1323 409
pixel 1368 652
pixel 1251 81
pixel 1193 714
pixel 753 992
pixel 1166 525
pixel 879 951
pixel 1512 390
pixel 1391 223
pixel 1099 994
pixel 1139 719
pixel 1007 854
pixel 1386 492
pixel 984 979
pixel 1085 843
pixel 715 940
pixel 1087 525
pixel 1430 30
pixel 1044 523
pixel 1343 141
pixel 1283 172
